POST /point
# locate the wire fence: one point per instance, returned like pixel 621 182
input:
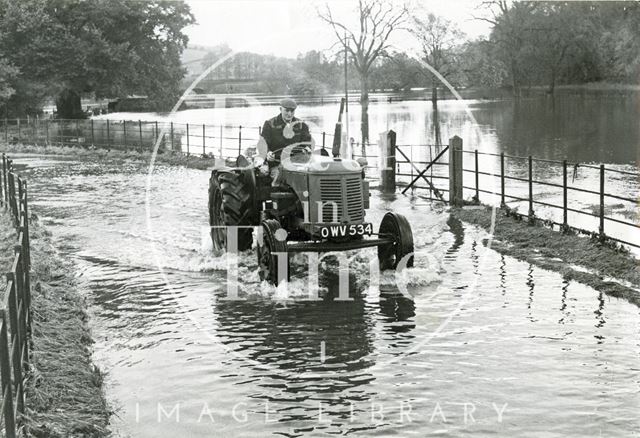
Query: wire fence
pixel 598 200
pixel 15 314
pixel 139 135
pixel 518 184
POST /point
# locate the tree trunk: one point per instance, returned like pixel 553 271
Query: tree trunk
pixel 436 118
pixel 514 80
pixel 434 96
pixel 364 107
pixel 552 84
pixel 68 105
pixel 436 126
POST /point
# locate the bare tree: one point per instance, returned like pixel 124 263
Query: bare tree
pixel 377 19
pixel 438 38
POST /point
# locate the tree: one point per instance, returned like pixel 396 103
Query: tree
pixel 438 40
pixel 507 36
pixel 480 67
pixel 109 48
pixel 377 19
pixel 396 71
pixel 8 74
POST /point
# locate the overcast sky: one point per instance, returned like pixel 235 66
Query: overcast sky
pixel 289 27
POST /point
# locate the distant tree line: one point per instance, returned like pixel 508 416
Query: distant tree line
pixel 550 43
pixel 63 50
pixel 530 44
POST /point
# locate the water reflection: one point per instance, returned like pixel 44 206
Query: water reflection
pixel 563 306
pixel 583 128
pixel 399 311
pixel 294 336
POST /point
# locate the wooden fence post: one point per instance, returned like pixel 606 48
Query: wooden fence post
pixel 531 214
pixel 565 199
pixel 172 136
pixel 108 136
pixel 502 200
pixel 5 373
pixel 323 139
pixel 601 227
pixel 15 333
pixel 455 171
pixel 187 139
pixel 124 131
pixel 4 179
pixel 26 254
pixel 12 195
pixel 477 177
pixel 21 299
pixel 156 138
pixel 239 140
pixel 19 204
pixel 140 134
pixel 387 144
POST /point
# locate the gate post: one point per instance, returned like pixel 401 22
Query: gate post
pixel 455 171
pixel 601 234
pixel 387 144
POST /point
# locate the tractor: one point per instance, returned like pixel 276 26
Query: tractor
pixel 317 204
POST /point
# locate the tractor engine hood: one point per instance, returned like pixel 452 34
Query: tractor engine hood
pixel 318 164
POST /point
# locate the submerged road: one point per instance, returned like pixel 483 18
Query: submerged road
pixel 480 344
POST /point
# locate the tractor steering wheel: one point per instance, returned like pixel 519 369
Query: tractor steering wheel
pixel 295 152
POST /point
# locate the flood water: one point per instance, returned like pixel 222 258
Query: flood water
pixel 467 343
pixel 582 128
pixel 587 127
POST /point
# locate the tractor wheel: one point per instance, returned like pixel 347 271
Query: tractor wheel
pixel 216 216
pixel 271 253
pixel 230 203
pixel 395 225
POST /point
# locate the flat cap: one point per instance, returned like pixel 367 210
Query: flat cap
pixel 288 103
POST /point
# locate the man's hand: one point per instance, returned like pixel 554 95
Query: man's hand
pixel 271 156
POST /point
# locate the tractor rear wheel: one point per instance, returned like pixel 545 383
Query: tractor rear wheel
pixel 396 226
pixel 231 203
pixel 272 254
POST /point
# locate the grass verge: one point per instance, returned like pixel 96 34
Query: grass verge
pixel 171 158
pixel 604 267
pixel 64 389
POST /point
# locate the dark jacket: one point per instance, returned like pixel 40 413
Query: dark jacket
pixel 272 132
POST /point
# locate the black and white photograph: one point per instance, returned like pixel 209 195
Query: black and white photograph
pixel 316 218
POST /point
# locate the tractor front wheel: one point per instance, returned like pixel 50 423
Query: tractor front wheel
pixel 273 263
pixel 390 255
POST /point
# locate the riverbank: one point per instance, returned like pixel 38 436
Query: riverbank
pixel 64 388
pixel 604 267
pixel 170 158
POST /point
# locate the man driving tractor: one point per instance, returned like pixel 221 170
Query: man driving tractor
pixel 281 131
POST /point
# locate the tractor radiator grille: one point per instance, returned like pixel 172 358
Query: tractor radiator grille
pixel 354 199
pixel 335 193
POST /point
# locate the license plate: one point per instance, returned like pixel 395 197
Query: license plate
pixel 365 229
